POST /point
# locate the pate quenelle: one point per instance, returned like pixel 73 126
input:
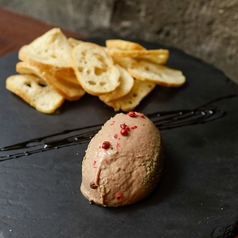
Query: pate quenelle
pixel 123 161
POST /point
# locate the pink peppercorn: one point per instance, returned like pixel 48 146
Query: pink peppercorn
pixel 106 145
pixel 132 114
pixel 124 132
pixel 118 196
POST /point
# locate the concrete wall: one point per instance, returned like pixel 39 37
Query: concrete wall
pixel 207 29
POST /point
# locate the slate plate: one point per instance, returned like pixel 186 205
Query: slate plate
pixel 197 194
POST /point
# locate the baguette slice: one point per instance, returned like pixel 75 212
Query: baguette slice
pixel 159 74
pixel 130 101
pixel 125 62
pixel 66 76
pixel 35 92
pixel 74 42
pixel 51 50
pixel 126 84
pixel 95 69
pixel 67 90
pixel 158 56
pixel 123 44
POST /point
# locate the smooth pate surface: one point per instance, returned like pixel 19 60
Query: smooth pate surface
pixel 129 169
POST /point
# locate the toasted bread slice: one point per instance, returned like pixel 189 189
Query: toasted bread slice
pixel 25 68
pixel 158 74
pixel 125 62
pixel 95 69
pixel 123 44
pixel 74 42
pixel 69 91
pixel 159 56
pixel 35 92
pixel 130 101
pixel 52 50
pixel 126 84
pixel 66 76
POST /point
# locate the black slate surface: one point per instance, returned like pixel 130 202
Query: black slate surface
pixel 197 194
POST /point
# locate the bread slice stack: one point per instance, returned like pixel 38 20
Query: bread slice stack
pixel 54 68
pixel 146 67
pixel 48 57
pixel 61 83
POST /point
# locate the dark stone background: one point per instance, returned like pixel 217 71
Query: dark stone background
pixel 205 29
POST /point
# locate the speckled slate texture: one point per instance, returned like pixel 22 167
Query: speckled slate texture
pixel 197 194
